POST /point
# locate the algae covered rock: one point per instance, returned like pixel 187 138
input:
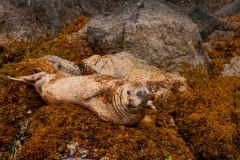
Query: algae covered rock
pixel 25 21
pixel 208 118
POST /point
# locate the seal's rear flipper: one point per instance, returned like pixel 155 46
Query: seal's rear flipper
pixel 32 79
pixel 21 80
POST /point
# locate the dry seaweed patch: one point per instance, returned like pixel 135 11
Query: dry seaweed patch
pixel 64 46
pixel 222 53
pixel 76 25
pixel 53 127
pixel 224 50
pixel 11 54
pixel 17 102
pixel 208 118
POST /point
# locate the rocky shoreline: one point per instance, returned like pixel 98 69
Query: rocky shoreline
pixel 187 53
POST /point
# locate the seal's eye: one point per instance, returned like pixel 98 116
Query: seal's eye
pixel 128 92
pixel 139 94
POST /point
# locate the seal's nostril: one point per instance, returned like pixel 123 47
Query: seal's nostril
pixel 130 100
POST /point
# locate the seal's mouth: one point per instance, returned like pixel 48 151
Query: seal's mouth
pixel 136 107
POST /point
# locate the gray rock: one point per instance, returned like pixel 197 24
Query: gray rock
pixel 96 7
pixel 206 21
pixel 230 9
pixel 29 20
pixel 232 69
pixel 214 5
pixel 124 65
pixel 150 30
pixel 20 138
pixel 59 64
pixel 222 35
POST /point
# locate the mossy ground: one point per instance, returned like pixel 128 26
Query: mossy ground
pixel 202 123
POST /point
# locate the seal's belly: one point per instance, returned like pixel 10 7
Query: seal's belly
pixel 78 91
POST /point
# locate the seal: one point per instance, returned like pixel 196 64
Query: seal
pixel 111 98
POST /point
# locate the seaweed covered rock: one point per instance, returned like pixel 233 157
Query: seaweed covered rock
pixel 223 48
pixel 208 118
pixel 65 45
pixel 17 103
pixel 24 21
pixel 54 127
pixel 151 30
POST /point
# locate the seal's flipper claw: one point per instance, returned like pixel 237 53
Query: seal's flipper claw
pixel 37 70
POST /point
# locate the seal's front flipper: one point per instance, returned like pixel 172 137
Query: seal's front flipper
pixel 32 79
pixel 103 118
pixel 92 89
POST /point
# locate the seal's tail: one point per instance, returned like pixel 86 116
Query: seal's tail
pixel 31 79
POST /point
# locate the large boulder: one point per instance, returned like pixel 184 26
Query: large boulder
pixel 152 30
pixel 95 7
pixel 206 21
pixel 125 65
pixel 132 69
pixel 23 21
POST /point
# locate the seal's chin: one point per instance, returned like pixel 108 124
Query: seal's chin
pixel 141 106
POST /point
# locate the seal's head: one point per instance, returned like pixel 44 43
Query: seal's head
pixel 134 96
pixel 130 102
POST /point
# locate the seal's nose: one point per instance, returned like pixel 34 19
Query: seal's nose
pixel 130 100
